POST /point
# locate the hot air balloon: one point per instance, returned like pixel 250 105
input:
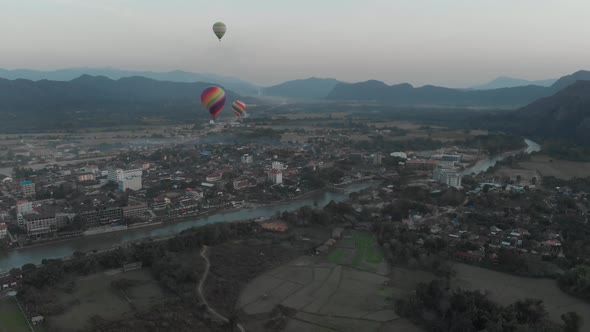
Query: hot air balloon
pixel 219 29
pixel 239 108
pixel 213 98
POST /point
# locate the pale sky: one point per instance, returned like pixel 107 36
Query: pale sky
pixel 452 43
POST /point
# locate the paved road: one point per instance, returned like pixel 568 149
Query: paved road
pixel 200 290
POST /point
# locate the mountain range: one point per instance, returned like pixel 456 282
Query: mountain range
pixel 311 88
pixel 428 95
pixel 97 101
pixel 510 82
pixel 235 84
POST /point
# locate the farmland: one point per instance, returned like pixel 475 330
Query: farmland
pixel 506 289
pixel 320 288
pixel 561 169
pixel 94 296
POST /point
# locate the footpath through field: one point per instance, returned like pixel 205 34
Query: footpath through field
pixel 200 290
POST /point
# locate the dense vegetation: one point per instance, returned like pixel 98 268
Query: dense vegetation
pixel 439 309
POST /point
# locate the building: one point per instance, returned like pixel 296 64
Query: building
pixel 421 164
pixel 24 207
pixel 160 203
pixel 214 177
pixel 401 155
pixel 278 165
pixel 3 230
pixel 241 183
pixel 28 188
pixel 451 157
pixel 140 211
pixel 38 225
pixel 89 169
pixel 130 179
pixel 101 216
pixel 275 176
pixel 115 174
pixel 377 159
pixel 448 176
pixel 247 159
pixel 86 177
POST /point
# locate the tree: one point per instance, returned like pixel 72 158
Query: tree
pixel 572 321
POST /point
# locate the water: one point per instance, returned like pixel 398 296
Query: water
pixel 485 164
pixel 18 258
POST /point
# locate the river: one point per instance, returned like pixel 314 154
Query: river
pixel 485 164
pixel 66 248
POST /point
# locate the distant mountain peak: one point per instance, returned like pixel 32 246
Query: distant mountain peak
pixel 511 82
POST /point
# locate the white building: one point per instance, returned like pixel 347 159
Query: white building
pixel 278 165
pixel 247 159
pixel 127 179
pixel 24 207
pixel 275 176
pixel 401 155
pixel 450 177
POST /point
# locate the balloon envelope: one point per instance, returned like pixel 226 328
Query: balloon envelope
pixel 213 98
pixel 239 108
pixel 219 29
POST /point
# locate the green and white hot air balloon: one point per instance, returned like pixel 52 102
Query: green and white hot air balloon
pixel 219 29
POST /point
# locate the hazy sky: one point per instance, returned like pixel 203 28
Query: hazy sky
pixel 443 42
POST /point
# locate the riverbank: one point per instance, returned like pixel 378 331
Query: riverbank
pixel 98 242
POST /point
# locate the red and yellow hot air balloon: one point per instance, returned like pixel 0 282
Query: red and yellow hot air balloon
pixel 213 98
pixel 239 108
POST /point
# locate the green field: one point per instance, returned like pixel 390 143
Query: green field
pixel 366 249
pixel 337 256
pixel 11 318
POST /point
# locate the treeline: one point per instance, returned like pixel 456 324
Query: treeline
pixel 493 143
pixel 439 308
pixel 161 256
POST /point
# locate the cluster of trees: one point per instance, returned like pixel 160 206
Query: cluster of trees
pixel 567 150
pixel 576 281
pixel 493 143
pixel 439 308
pixel 415 249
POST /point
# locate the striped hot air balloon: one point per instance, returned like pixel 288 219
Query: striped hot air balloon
pixel 239 108
pixel 219 29
pixel 213 98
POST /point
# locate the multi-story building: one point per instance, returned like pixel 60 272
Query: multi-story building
pixel 39 225
pixel 140 211
pixel 450 177
pixel 247 159
pixel 278 165
pixel 3 230
pixel 160 203
pixel 275 176
pixel 86 177
pixel 101 216
pixel 128 179
pixel 28 188
pixel 241 183
pixel 24 207
pixel 421 164
pixel 377 159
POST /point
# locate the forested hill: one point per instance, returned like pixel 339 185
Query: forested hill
pixel 565 115
pixel 97 99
